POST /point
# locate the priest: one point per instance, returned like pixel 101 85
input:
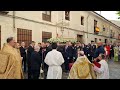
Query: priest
pixel 82 68
pixel 10 66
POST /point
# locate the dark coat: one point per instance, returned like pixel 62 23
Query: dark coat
pixel 99 50
pixel 61 49
pixel 49 48
pixel 35 61
pixel 93 48
pixel 29 52
pixel 68 52
pixel 112 50
pixel 22 52
pixel 85 50
pixel 75 51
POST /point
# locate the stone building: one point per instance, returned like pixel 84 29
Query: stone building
pixel 39 26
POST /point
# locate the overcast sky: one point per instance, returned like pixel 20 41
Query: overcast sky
pixel 110 15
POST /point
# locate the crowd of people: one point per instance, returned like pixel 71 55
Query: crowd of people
pixel 79 60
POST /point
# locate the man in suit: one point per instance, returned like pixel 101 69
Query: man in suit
pixel 42 53
pixel 93 48
pixel 29 52
pixel 111 51
pixel 99 50
pixel 23 54
pixel 68 55
pixel 76 48
pixel 48 49
pixel 35 61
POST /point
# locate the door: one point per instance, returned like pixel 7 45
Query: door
pixel 46 36
pixel 80 38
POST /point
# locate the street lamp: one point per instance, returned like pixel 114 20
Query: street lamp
pixel 61 24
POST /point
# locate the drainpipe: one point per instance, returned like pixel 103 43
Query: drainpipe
pixel 14 25
pixel 13 20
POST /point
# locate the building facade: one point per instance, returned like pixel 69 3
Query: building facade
pixel 39 26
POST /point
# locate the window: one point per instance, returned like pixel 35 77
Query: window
pixel 46 15
pixel 103 28
pixel 82 20
pixel 67 15
pixel 114 34
pixel 24 35
pixel 95 23
pixel 46 36
pixel 95 40
pixel 105 40
pixel 111 33
pixel 0 37
pixel 95 26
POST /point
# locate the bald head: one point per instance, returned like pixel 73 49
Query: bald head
pixel 36 48
pixel 99 43
pixel 82 53
pixel 11 41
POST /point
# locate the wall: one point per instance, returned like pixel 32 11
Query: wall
pixel 34 22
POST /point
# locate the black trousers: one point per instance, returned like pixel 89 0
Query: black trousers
pixel 24 62
pixel 67 64
pixel 111 54
pixel 90 58
pixel 29 71
pixel 45 70
pixel 35 74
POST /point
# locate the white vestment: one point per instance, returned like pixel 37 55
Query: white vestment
pixel 54 60
pixel 103 71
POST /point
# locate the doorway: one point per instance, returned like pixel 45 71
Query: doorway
pixel 46 36
pixel 80 38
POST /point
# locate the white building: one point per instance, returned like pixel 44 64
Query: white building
pixel 39 26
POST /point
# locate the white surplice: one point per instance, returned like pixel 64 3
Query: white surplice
pixel 103 71
pixel 54 60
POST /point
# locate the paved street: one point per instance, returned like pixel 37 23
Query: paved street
pixel 114 70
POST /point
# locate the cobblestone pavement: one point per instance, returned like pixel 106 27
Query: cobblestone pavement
pixel 114 70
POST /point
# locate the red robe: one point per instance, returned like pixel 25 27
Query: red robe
pixel 108 50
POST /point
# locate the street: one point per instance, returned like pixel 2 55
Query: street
pixel 114 70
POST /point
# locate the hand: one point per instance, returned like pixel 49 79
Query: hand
pixel 68 58
pixel 73 57
pixel 21 58
pixel 95 59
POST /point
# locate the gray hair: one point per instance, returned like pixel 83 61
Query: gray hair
pixel 36 48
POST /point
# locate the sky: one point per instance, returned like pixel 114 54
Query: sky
pixel 110 15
